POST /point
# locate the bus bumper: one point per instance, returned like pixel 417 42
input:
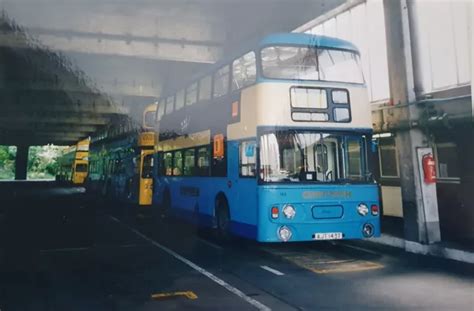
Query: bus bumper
pixel 319 231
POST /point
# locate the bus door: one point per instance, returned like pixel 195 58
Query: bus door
pixel 246 183
pixel 146 178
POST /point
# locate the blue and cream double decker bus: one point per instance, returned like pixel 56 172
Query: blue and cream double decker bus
pixel 272 144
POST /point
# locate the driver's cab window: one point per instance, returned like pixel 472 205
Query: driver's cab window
pixel 147 170
pixel 326 160
pixel 354 158
pixel 316 161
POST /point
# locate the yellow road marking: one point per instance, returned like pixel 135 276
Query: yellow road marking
pixel 368 265
pixel 161 296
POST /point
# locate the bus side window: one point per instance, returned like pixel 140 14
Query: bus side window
pixel 178 163
pixel 168 164
pixel 247 158
pixel 189 162
pixel 203 161
pixel 244 71
pixel 205 88
pixel 221 82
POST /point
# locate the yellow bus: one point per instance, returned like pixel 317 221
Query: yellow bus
pixel 121 166
pixel 74 164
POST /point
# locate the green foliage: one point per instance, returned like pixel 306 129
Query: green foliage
pixel 7 162
pixel 43 161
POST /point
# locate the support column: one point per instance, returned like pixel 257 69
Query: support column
pixel 21 162
pixel 420 204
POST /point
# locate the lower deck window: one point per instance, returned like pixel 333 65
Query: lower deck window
pixel 203 155
pixel 189 161
pixel 168 164
pixel 178 163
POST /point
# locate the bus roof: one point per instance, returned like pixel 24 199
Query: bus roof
pixel 306 39
pixel 284 38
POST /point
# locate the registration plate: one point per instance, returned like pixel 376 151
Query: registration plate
pixel 328 236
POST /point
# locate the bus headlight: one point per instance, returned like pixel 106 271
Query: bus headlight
pixel 368 230
pixel 362 209
pixel 284 233
pixel 289 211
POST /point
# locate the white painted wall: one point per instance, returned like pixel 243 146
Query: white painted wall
pixel 442 50
pixel 441 36
pixel 363 25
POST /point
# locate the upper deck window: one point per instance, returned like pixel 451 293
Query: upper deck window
pixel 161 110
pixel 191 94
pixel 149 119
pixel 180 99
pixel 205 88
pixel 308 98
pixel 340 66
pixel 305 63
pixel 244 71
pixel 221 82
pixel 169 104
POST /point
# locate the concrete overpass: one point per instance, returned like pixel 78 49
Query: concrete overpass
pixel 69 69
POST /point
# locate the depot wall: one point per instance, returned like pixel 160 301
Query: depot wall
pixel 441 51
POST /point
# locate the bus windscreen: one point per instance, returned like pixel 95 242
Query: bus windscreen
pixel 310 156
pixel 308 63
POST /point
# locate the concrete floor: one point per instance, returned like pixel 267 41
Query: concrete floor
pixel 58 252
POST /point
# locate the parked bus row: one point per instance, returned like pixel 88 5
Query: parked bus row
pixel 270 144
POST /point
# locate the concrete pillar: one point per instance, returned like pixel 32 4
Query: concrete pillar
pixel 420 207
pixel 21 162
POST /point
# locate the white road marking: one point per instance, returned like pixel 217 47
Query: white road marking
pixel 274 271
pixel 206 273
pixel 210 244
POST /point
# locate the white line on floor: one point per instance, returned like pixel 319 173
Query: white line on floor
pixel 274 271
pixel 210 244
pixel 206 273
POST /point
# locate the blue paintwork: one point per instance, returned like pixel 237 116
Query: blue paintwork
pixel 294 38
pixel 304 225
pixel 324 211
pixel 250 204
